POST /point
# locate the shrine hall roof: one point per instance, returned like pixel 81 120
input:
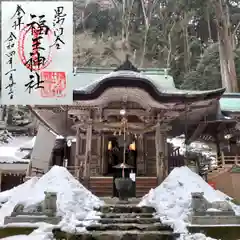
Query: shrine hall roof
pixel 89 83
pixel 87 78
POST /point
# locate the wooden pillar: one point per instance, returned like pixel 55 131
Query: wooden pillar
pixel 77 153
pixel 161 154
pixel 218 149
pixel 165 155
pixel 99 154
pixel 88 154
pixel 141 168
pixel 103 154
pixel 223 159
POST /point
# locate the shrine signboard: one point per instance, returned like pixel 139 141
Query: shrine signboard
pixel 37 52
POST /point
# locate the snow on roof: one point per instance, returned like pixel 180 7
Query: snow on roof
pixel 74 201
pixel 29 144
pixel 11 153
pixel 172 199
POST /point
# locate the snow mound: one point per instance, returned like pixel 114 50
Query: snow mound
pixel 6 196
pixel 74 201
pixel 172 199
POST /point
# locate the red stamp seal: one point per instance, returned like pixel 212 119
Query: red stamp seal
pixel 25 36
pixel 54 84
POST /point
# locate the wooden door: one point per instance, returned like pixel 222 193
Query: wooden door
pixel 95 165
pixel 150 155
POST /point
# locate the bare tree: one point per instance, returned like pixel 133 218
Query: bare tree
pixel 225 37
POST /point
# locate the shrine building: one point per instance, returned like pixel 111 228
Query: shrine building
pixel 125 115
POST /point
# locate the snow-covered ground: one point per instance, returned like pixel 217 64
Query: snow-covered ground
pixel 74 202
pixel 172 199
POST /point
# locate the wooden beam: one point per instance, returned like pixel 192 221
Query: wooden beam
pixel 221 126
pixel 163 128
pixel 79 112
pixel 137 112
pixel 198 131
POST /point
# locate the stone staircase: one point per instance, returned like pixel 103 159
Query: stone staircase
pixel 129 222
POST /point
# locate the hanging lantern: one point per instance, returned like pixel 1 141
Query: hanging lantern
pixel 110 145
pixel 132 146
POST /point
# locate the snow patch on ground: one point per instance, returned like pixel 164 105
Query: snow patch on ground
pixel 172 199
pixel 74 202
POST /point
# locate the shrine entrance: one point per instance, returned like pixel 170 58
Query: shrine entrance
pixel 115 152
pixel 115 156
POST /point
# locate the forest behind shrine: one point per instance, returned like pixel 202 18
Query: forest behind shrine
pixel 198 41
pixel 188 37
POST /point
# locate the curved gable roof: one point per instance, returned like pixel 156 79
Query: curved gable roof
pixel 160 92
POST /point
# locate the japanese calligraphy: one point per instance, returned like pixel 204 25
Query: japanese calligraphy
pixel 10 43
pixel 58 21
pixel 33 67
pixel 38 28
pixel 34 82
pixel 18 15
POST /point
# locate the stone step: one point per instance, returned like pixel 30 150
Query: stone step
pixel 133 235
pixel 127 215
pixel 126 235
pixel 125 209
pixel 129 227
pixel 129 220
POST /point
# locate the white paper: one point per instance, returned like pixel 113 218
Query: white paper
pixel 31 31
pixel 132 176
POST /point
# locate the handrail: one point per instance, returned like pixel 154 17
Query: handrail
pixel 228 160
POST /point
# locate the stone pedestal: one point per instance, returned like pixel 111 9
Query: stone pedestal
pixel 43 212
pixel 123 186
